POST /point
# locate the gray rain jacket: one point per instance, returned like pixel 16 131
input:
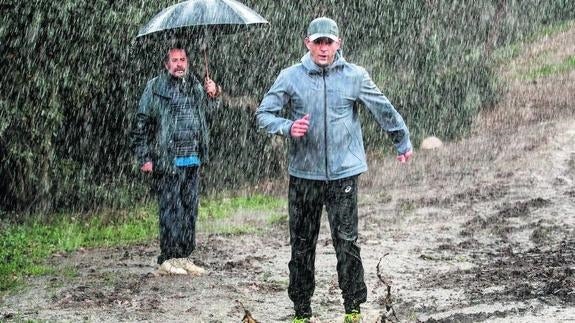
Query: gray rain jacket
pixel 333 146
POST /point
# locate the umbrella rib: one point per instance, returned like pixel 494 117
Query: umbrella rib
pixel 239 8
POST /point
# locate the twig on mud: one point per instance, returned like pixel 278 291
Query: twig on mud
pixel 386 301
pixel 247 315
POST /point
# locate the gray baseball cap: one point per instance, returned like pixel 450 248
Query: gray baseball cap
pixel 322 27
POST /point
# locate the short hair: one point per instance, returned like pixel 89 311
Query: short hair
pixel 176 46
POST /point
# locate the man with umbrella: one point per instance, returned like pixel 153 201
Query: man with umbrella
pixel 326 156
pixel 171 135
pixel 170 140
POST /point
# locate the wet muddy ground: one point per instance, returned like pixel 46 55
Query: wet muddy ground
pixel 479 230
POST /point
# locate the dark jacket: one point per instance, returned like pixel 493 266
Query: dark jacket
pixel 152 134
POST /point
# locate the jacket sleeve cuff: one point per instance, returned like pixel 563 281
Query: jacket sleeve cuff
pixel 404 146
pixel 142 161
pixel 285 130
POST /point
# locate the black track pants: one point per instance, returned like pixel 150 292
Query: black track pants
pixel 306 201
pixel 178 204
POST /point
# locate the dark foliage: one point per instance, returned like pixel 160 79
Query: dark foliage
pixel 71 75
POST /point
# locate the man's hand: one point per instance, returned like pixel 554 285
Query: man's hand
pixel 148 167
pixel 405 157
pixel 211 88
pixel 299 127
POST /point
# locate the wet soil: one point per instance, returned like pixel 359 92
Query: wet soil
pixel 479 230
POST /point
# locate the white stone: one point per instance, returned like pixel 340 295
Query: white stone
pixel 431 143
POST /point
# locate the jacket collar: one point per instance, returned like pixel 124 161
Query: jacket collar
pixel 165 82
pixel 313 68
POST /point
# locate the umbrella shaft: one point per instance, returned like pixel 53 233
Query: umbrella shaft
pixel 206 61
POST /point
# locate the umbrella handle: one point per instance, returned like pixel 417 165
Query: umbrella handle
pixel 206 61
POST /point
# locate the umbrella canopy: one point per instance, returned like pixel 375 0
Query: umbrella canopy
pixel 221 16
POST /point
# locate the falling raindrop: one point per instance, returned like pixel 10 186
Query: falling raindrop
pixel 72 75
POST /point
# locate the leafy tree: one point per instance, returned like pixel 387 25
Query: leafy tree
pixel 71 75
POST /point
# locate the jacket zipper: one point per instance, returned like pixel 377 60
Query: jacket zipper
pixel 325 123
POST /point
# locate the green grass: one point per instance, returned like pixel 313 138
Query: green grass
pixel 227 215
pixel 550 30
pixel 24 247
pixel 509 52
pixel 278 218
pixel 224 208
pixel 217 227
pixel 551 69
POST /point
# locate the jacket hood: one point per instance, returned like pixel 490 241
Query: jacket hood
pixel 312 67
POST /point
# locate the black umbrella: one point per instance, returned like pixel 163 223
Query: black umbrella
pixel 201 17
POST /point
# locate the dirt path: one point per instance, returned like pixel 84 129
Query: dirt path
pixel 481 229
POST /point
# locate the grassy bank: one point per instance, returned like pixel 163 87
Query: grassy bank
pixel 539 64
pixel 24 247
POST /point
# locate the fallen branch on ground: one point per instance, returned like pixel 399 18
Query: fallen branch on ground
pixel 386 301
